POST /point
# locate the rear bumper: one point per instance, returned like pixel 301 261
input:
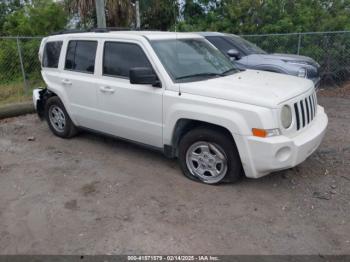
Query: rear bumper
pixel 267 155
pixel 36 98
pixel 39 95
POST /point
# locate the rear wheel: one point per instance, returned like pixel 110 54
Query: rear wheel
pixel 58 119
pixel 209 156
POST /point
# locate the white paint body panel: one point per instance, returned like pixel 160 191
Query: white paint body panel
pixel 147 114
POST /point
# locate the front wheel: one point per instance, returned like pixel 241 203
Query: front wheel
pixel 209 156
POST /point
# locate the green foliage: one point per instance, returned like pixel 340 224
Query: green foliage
pixel 42 17
pixel 11 79
pixel 36 17
pixel 159 14
pixel 24 18
pixel 9 65
pixel 266 16
pixel 10 68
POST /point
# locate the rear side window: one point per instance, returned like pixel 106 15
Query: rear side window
pixel 51 56
pixel 81 56
pixel 119 58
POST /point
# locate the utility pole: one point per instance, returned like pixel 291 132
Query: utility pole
pixel 138 20
pixel 100 13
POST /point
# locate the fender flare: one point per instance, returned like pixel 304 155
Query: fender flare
pixel 44 95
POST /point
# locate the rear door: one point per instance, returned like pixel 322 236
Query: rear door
pixel 79 81
pixel 49 56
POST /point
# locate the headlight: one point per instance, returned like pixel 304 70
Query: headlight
pixel 296 62
pixel 302 72
pixel 286 116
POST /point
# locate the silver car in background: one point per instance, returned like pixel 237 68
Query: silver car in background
pixel 246 55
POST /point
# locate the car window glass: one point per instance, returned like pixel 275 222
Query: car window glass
pixel 51 54
pixel 81 56
pixel 245 46
pixel 119 58
pixel 220 43
pixel 185 59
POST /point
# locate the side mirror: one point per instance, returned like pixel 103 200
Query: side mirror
pixel 143 76
pixel 233 53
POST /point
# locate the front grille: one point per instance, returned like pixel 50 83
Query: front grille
pixel 305 110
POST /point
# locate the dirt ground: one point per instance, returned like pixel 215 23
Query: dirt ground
pixel 95 195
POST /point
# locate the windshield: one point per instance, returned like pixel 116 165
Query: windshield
pixel 192 59
pixel 248 47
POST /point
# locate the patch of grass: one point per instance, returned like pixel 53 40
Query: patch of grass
pixel 14 92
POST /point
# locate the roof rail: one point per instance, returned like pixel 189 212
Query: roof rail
pixel 96 30
pixel 70 31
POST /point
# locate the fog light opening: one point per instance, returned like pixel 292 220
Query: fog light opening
pixel 283 153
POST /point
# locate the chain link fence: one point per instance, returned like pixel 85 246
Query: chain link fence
pixel 330 49
pixel 20 66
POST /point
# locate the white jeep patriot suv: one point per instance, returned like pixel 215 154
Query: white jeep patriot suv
pixel 177 93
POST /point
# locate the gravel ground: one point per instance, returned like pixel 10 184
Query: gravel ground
pixel 95 195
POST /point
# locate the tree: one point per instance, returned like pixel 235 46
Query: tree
pixel 119 13
pixel 36 17
pixel 266 16
pixel 159 14
pixel 7 8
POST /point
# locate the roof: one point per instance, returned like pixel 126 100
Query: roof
pixel 210 34
pixel 151 35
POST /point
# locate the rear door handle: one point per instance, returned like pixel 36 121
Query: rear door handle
pixel 66 82
pixel 106 89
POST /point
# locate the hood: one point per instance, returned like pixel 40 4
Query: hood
pixel 251 87
pixel 291 58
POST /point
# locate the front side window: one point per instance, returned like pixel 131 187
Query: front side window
pixel 119 58
pixel 51 54
pixel 81 56
pixel 221 43
pixel 194 59
pixel 247 47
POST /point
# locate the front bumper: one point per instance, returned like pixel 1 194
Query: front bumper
pixel 267 155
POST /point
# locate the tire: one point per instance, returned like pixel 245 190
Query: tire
pixel 58 119
pixel 194 156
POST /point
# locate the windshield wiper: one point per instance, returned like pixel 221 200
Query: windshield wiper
pixel 199 75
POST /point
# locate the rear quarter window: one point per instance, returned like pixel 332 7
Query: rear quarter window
pixel 51 55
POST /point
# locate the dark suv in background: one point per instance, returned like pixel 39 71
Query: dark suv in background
pixel 246 55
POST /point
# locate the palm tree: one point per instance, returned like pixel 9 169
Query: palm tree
pixel 159 14
pixel 119 13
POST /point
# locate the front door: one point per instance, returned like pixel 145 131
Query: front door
pixel 127 110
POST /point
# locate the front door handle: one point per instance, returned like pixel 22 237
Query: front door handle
pixel 106 89
pixel 66 82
